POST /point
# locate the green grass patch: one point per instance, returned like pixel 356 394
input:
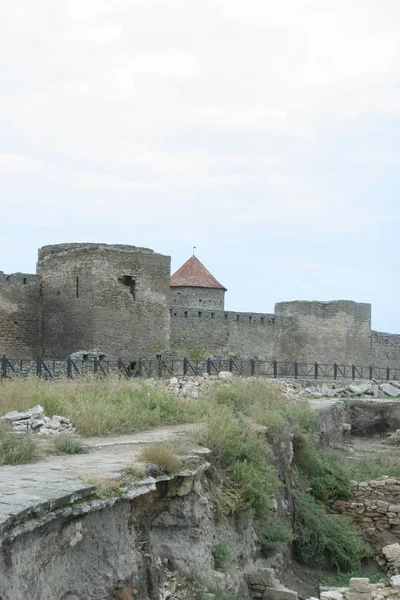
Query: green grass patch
pixel 68 445
pixel 15 448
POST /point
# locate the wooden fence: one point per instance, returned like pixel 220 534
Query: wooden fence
pixel 178 367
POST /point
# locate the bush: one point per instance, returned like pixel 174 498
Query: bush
pixel 318 533
pixel 272 535
pixel 222 556
pixel 15 448
pixel 67 445
pixel 325 473
pixel 164 457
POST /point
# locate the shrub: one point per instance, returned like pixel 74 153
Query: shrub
pixel 67 445
pixel 164 457
pixel 15 448
pixel 325 473
pixel 222 556
pixel 272 535
pixel 319 533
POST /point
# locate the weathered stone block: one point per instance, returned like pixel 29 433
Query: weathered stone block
pixel 360 584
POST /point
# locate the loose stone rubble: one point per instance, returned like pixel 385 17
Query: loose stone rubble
pixel 35 421
pixel 192 386
pixel 361 588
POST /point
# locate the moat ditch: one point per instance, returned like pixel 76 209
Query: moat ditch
pixel 161 536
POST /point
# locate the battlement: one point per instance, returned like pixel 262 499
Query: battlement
pixel 17 278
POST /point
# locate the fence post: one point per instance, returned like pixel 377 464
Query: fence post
pixel 185 366
pixel 230 365
pixel 353 372
pixel 69 367
pixel 95 365
pixel 209 366
pixel 275 369
pixel 387 373
pixel 316 370
pixel 335 371
pixel 252 367
pixel 296 369
pixel 370 372
pixel 139 367
pixel 4 366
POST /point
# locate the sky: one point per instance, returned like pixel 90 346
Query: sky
pixel 266 134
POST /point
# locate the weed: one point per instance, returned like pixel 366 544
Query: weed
pixel 222 555
pixel 68 445
pixel 15 448
pixel 164 457
pixel 372 467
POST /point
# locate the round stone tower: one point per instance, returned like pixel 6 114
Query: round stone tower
pixel 113 298
pixel 193 286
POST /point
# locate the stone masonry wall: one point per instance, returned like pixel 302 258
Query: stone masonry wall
pixel 235 333
pixel 19 313
pixel 194 297
pixel 375 505
pixel 329 331
pixel 385 349
pixel 114 298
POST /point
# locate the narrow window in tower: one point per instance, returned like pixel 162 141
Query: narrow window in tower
pixel 212 315
pixel 129 282
pixel 186 313
pixel 24 281
pixel 77 287
pixel 41 289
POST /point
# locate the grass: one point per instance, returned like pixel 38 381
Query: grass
pixel 68 445
pixel 111 486
pixel 97 406
pixel 164 457
pixel 373 467
pixel 15 449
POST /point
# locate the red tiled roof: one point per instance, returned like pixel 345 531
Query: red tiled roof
pixel 194 274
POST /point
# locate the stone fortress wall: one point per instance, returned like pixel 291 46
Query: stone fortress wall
pixel 118 299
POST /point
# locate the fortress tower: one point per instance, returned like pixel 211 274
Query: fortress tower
pixel 111 297
pixel 193 286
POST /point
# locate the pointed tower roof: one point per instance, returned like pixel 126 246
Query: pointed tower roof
pixel 194 274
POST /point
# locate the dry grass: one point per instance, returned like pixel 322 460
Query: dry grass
pixel 15 448
pixel 105 486
pixel 164 457
pixel 96 406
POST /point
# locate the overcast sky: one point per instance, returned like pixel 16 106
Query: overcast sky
pixel 264 133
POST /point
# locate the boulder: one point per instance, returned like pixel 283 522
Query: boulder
pixel 361 585
pixel 36 411
pixel 355 389
pixel 395 581
pixel 16 416
pixel 390 390
pixel 229 375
